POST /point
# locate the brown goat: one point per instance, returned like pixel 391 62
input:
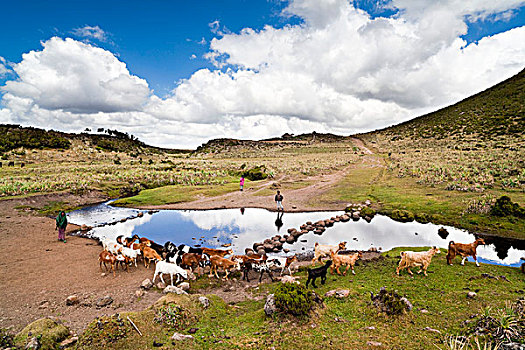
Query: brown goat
pixel 344 260
pixel 323 250
pixel 149 254
pixel 225 264
pixel 411 259
pixel 216 252
pixel 106 257
pixel 465 250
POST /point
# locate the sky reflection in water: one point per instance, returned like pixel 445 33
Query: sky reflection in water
pixel 213 228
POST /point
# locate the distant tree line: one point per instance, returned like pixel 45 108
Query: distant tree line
pixel 13 136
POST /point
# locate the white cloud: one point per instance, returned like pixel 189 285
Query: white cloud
pixel 91 32
pixel 75 77
pixel 4 69
pixel 338 71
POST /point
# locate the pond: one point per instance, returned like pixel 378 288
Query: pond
pixel 240 228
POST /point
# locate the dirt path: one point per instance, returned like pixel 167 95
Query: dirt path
pixel 38 273
pixel 300 200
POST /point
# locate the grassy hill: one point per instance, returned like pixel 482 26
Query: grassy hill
pixel 497 111
pixel 14 136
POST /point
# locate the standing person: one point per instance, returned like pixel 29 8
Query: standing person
pixel 279 198
pixel 61 226
pixel 242 182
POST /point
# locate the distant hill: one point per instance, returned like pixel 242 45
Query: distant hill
pixel 14 136
pixel 225 145
pixel 496 111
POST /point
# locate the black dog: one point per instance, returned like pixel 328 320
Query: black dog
pixel 318 272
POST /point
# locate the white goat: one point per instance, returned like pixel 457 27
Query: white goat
pixel 411 259
pixel 164 267
pixel 131 253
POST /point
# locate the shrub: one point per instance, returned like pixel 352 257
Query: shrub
pixel 505 207
pixel 402 215
pixel 366 211
pixel 104 331
pixel 256 173
pixel 390 302
pixel 294 299
pixel 173 316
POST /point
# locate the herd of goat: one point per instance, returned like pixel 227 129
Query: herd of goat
pixel 176 260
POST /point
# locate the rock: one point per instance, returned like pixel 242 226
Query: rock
pixel 84 227
pixel 178 336
pixel 269 306
pixel 282 240
pixel 193 330
pixel 512 346
pixel 345 218
pixel 146 284
pixel 249 251
pixel 374 343
pixel 294 206
pixel 390 302
pixel 103 274
pixel 372 249
pixel 161 285
pixel 68 342
pixel 338 293
pixel 140 214
pixel 173 289
pixel 286 250
pixel 290 240
pixel 204 301
pixel 72 300
pixel 443 233
pixel 431 330
pixel 156 344
pixel 355 215
pixel 424 311
pixel 139 293
pixel 289 279
pixel 368 202
pixel 368 218
pixel 104 301
pixel 49 334
pixel 33 343
pixel 407 303
pixel 471 295
pixel 185 286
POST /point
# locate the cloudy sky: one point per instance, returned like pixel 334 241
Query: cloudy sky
pixel 178 73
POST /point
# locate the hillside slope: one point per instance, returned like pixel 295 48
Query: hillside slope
pixel 497 111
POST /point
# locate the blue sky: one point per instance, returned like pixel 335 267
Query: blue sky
pixel 327 66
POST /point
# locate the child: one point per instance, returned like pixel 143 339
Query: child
pixel 279 198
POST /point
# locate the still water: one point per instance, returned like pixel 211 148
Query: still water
pixel 241 228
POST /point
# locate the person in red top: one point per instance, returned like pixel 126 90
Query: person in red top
pixel 279 199
pixel 242 182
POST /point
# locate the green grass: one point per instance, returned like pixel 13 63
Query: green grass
pixel 180 193
pixel 442 294
pixel 389 192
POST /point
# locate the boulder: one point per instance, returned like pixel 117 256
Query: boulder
pixel 338 293
pixel 205 302
pixel 374 343
pixel 269 305
pixel 146 284
pixel 428 329
pixel 308 223
pixel 289 279
pixel 290 230
pixel 356 215
pixel 72 300
pixel 160 285
pixel 178 336
pixel 290 240
pixel 44 333
pixel 139 293
pixel 248 251
pixel 185 286
pixel 173 289
pixel 140 214
pixel 345 218
pixel 68 342
pixel 104 301
pixel 282 240
pixel 471 295
pixel 84 227
pixel 367 218
pixel 368 202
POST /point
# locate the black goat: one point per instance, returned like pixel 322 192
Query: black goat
pixel 318 272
